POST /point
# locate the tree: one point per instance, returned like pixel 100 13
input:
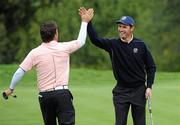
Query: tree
pixel 157 23
pixel 15 16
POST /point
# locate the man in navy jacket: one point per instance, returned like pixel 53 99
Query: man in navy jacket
pixel 133 68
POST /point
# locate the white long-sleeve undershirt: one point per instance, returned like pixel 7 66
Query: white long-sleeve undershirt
pixel 82 34
pixel 18 75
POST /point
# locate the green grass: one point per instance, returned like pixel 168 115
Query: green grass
pixel 92 98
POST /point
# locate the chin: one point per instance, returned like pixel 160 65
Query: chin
pixel 122 37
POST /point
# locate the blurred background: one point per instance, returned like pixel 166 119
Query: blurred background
pixel 157 23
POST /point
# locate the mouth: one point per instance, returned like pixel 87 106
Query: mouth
pixel 122 34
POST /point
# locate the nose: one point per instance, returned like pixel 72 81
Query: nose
pixel 120 29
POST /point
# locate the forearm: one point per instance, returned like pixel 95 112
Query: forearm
pixel 92 33
pixel 150 77
pixel 18 75
pixel 82 34
pixel 150 68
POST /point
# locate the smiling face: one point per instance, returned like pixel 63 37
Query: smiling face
pixel 125 31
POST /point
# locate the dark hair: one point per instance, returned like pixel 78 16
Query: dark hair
pixel 48 31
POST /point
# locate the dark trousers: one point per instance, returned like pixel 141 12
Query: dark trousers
pixel 123 99
pixel 57 105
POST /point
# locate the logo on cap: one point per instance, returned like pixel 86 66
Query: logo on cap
pixel 124 18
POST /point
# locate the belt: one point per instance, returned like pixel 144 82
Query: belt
pixel 56 88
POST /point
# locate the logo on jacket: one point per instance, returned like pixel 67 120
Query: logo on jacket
pixel 135 50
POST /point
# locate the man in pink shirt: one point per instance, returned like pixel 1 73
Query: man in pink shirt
pixel 51 61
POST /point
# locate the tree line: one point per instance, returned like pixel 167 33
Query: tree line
pixel 157 23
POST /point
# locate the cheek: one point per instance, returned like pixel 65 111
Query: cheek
pixel 121 30
pixel 128 31
pixel 125 31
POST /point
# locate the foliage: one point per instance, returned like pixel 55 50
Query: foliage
pixel 157 23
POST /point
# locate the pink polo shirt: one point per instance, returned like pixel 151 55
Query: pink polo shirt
pixel 51 61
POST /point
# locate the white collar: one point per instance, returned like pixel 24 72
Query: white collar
pixel 129 40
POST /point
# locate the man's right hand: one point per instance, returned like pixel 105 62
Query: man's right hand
pixel 86 15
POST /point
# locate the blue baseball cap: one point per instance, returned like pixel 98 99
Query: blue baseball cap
pixel 127 20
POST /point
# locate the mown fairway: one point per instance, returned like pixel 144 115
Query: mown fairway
pixel 92 98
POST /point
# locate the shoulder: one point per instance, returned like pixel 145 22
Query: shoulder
pixel 113 40
pixel 37 50
pixel 68 43
pixel 139 42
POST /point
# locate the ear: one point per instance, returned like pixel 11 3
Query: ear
pixel 132 28
pixel 56 35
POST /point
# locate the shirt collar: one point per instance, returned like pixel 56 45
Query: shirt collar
pixel 129 40
pixel 51 43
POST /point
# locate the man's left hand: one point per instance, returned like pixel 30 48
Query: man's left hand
pixel 148 93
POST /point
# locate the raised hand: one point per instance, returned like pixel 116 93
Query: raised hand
pixel 86 15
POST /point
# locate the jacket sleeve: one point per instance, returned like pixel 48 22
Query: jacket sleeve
pixel 103 43
pixel 150 68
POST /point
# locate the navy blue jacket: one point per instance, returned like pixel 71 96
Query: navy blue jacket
pixel 132 63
